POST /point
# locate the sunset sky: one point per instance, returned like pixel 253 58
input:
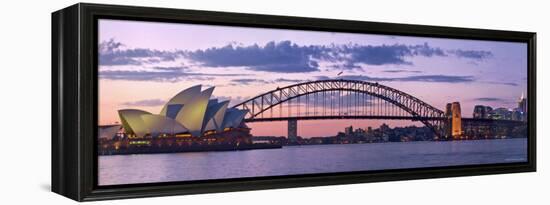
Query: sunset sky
pixel 144 64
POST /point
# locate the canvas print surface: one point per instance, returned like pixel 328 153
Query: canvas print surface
pixel 187 102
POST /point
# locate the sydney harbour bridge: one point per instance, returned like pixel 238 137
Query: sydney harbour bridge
pixel 352 99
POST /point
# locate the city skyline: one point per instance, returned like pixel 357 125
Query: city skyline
pixel 142 64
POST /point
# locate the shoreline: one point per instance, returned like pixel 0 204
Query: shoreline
pixel 199 148
pixel 244 147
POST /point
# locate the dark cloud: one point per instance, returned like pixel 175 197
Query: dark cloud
pixel 322 77
pixel 438 78
pixel 379 55
pixel 111 53
pixel 173 68
pixel 283 57
pixel 426 50
pixel 402 71
pixel 287 68
pixel 285 80
pixel 502 83
pixel 388 54
pixel 395 54
pixel 347 66
pixel 158 76
pixel 471 54
pixel 416 78
pixel 487 99
pixel 247 81
pixel 288 57
pixel 146 103
pixel 109 46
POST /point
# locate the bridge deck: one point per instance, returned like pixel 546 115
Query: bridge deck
pixel 328 117
pixel 367 117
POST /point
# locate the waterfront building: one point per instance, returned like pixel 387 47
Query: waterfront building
pixel 522 104
pixel 482 112
pixel 348 130
pixel 522 108
pixel 517 115
pixel 479 112
pixel 501 114
pixel 190 112
pixel 384 127
pixel 448 109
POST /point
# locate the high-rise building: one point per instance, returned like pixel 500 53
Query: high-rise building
pixel 348 130
pixel 482 112
pixel 384 127
pixel 479 112
pixel 448 110
pixel 522 108
pixel 522 104
pixel 516 115
pixel 501 114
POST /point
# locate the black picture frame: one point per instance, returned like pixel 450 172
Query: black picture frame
pixel 74 101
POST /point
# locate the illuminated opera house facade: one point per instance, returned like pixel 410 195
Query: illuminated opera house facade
pixel 189 122
pixel 191 113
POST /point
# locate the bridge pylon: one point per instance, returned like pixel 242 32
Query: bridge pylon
pixel 292 131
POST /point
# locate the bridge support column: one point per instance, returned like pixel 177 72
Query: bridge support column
pixel 292 131
pixel 453 124
pixel 456 121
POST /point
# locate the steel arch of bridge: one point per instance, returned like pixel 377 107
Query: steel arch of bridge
pixel 418 109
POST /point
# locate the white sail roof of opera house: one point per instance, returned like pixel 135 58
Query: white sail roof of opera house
pixel 132 122
pixel 191 114
pixel 140 123
pixel 180 99
pixel 234 117
pixel 158 124
pixel 190 111
pixel 215 114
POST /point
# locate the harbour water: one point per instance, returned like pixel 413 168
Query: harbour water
pixel 150 168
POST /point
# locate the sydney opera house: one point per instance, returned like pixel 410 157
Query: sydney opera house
pixel 190 113
pixel 189 122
